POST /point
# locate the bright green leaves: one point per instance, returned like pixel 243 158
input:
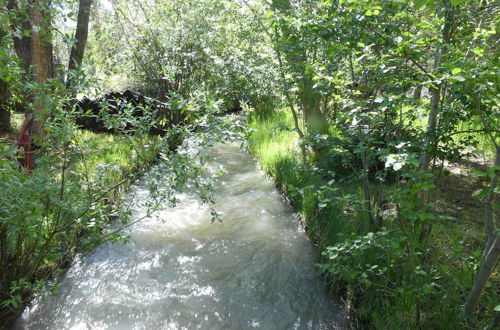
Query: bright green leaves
pixel 457 78
pixel 309 69
pixel 374 11
pixel 433 3
pixel 365 261
pixel 458 75
pixel 478 51
pixel 491 172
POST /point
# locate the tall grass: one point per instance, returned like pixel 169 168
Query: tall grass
pixel 275 144
pixel 446 264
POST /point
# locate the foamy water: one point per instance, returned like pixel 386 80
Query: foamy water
pixel 179 271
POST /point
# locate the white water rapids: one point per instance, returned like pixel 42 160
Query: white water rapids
pixel 254 270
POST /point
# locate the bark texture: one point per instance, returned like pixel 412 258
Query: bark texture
pixel 492 247
pixel 489 211
pixel 81 34
pixel 42 59
pixel 21 26
pixel 483 276
pixel 5 127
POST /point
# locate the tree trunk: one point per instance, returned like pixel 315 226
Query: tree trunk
pixel 82 31
pixel 366 187
pixel 5 126
pixel 489 213
pixel 22 45
pixel 283 7
pixel 492 247
pixel 314 119
pixel 441 50
pixel 483 276
pixel 417 93
pixel 435 90
pixel 42 61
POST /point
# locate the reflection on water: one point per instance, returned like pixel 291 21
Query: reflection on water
pixel 179 271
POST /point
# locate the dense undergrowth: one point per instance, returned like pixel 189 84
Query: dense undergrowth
pixel 389 279
pixel 61 208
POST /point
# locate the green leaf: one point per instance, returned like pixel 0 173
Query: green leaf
pixel 477 192
pixel 419 3
pixel 309 69
pixel 456 71
pixel 456 2
pixel 478 172
pixel 457 78
pixel 372 12
pixel 497 308
pixel 478 51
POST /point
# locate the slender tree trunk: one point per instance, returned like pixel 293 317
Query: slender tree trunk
pixel 417 93
pixel 483 276
pixel 5 126
pixel 365 180
pixel 283 6
pixel 314 119
pixel 81 33
pixel 436 90
pixel 441 50
pixel 489 213
pixel 491 251
pixel 366 187
pixel 288 97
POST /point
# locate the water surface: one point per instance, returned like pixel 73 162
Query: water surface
pixel 179 271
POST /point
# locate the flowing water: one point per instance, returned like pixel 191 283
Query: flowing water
pixel 179 271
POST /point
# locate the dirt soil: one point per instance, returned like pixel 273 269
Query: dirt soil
pixel 456 186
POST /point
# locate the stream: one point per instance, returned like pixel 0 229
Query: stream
pixel 180 271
